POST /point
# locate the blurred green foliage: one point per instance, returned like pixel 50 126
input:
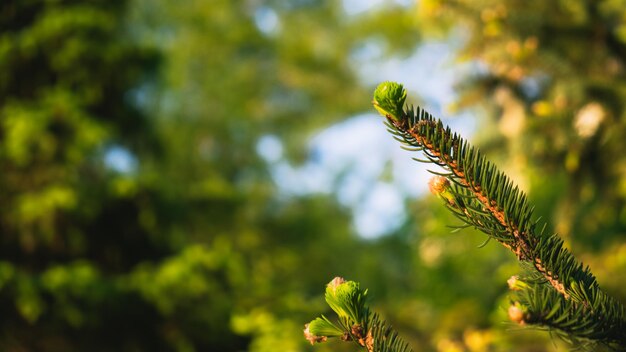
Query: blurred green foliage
pixel 193 246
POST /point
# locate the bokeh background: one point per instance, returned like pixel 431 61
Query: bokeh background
pixel 188 175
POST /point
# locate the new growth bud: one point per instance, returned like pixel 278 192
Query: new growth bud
pixel 320 329
pixel 334 283
pixel 440 186
pixel 516 314
pixel 515 284
pixel 312 338
pixel 389 98
pixel 346 298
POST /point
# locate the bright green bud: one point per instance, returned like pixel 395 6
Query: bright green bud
pixel 389 100
pixel 311 337
pixel 323 327
pixel 346 298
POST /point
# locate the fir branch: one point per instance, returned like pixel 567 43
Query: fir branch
pixel 537 304
pixel 355 321
pixel 484 197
